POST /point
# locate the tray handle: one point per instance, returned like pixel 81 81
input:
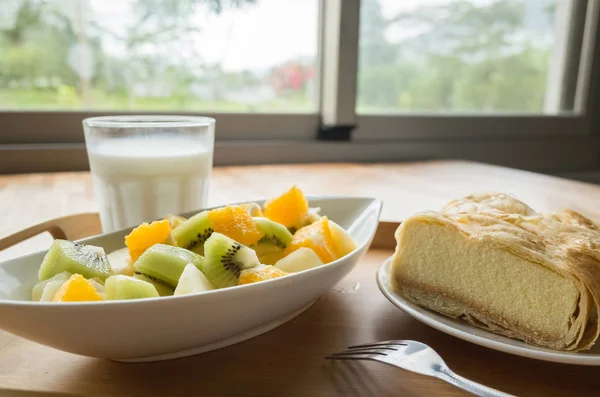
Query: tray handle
pixel 71 227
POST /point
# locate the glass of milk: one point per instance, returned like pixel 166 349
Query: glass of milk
pixel 145 167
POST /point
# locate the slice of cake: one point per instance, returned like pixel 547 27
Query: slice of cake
pixel 494 262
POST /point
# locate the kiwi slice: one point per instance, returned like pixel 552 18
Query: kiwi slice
pixel 165 263
pixel 193 233
pixel 225 259
pixel 87 260
pixel 191 281
pixel 125 287
pixel 274 233
pixel 276 237
pixel 162 288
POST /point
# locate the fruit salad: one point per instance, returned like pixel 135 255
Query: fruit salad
pixel 219 248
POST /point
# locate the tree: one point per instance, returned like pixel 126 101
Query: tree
pixel 34 46
pixel 374 47
pixel 165 22
pixel 45 41
pixel 463 57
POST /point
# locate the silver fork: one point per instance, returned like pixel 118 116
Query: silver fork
pixel 416 357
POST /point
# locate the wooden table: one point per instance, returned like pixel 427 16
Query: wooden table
pixel 288 361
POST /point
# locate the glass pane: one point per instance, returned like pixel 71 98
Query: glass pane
pixel 455 55
pixel 196 55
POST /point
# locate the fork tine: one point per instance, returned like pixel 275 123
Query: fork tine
pixel 363 351
pixel 384 343
pixel 339 356
pixel 378 349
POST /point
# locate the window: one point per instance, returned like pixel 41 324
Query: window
pixel 150 55
pixel 511 82
pixel 455 55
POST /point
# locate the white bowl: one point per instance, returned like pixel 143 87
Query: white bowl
pixel 176 326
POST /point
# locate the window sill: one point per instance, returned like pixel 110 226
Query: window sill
pixel 544 154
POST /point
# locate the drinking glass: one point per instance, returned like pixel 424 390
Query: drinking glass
pixel 145 167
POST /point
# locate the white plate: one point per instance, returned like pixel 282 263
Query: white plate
pixel 176 326
pixel 463 330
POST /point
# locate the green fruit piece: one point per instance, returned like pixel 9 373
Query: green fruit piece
pixel 193 233
pixel 266 249
pixel 225 259
pixel 276 238
pixel 38 289
pixel 191 281
pixel 268 254
pixel 166 263
pixel 301 259
pixel 162 288
pixel 125 287
pixel 87 260
pixel 274 233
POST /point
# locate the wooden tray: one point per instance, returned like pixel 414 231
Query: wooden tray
pixel 287 361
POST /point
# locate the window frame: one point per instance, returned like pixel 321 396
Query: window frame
pixel 564 68
pixel 444 125
pixel 25 127
pixel 539 142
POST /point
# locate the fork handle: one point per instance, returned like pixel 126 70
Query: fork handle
pixel 449 376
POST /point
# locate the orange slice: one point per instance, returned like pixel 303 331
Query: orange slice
pixel 145 236
pixel 235 222
pixel 317 237
pixel 290 209
pixel 77 289
pixel 260 273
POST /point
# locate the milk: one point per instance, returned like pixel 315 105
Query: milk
pixel 142 179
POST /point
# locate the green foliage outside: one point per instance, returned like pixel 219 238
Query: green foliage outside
pixel 36 65
pixel 466 59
